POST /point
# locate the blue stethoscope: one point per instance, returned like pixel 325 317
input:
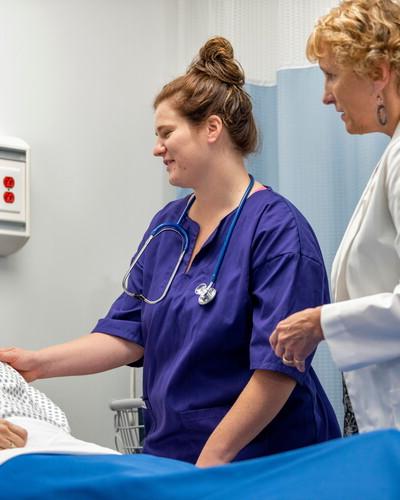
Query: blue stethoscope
pixel 205 292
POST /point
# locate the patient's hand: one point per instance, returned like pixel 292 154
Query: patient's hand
pixel 11 436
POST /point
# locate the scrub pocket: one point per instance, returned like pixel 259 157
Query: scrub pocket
pixel 395 404
pixel 199 424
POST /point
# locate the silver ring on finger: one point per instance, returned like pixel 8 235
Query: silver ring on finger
pixel 288 362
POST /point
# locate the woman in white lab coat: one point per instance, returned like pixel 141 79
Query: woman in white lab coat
pixel 357 46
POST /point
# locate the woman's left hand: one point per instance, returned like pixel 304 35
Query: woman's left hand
pixel 296 337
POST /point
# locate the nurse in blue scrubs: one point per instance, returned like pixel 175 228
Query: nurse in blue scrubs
pixel 215 391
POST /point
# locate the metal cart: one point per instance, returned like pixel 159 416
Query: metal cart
pixel 128 424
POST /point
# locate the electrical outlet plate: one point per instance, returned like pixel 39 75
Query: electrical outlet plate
pixel 14 215
pixel 12 211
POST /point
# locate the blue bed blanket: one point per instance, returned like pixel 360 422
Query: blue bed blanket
pixel 363 467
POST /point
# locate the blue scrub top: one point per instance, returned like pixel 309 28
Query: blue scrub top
pixel 197 359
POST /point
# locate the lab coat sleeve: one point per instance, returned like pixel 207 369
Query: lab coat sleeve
pixel 366 330
pixel 363 331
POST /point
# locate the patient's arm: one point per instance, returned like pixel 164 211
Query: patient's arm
pixel 92 353
pixel 259 402
pixel 11 436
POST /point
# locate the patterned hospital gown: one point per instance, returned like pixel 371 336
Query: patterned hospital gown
pixel 19 399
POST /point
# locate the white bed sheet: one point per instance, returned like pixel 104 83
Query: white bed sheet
pixel 47 438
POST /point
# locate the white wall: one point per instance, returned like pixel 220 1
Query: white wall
pixel 77 82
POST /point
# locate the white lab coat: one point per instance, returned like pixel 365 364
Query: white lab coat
pixel 362 327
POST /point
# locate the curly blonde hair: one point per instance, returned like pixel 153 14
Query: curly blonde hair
pixel 360 34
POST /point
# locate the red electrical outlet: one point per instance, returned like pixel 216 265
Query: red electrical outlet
pixel 9 197
pixel 9 182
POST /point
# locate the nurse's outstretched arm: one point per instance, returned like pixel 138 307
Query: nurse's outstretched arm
pixel 92 353
pixel 257 405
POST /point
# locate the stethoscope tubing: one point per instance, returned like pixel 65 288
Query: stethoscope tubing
pixel 156 231
pixel 230 231
pixel 206 292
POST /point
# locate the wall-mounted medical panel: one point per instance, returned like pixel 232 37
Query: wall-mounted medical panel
pixel 14 194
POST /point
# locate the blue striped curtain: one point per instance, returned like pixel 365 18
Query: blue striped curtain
pixel 307 155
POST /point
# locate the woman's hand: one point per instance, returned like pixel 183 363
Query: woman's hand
pixel 11 436
pixel 25 362
pixel 93 353
pixel 297 336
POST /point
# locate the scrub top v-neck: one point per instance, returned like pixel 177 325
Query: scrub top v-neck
pixel 197 359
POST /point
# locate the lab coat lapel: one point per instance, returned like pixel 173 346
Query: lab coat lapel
pixel 338 275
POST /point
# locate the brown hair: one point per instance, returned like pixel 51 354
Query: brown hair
pixel 360 34
pixel 213 85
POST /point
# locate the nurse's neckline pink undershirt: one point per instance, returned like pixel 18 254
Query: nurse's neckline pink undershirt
pixel 261 188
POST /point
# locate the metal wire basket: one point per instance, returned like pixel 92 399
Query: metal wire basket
pixel 128 424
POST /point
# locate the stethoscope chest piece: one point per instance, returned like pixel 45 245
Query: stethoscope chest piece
pixel 206 293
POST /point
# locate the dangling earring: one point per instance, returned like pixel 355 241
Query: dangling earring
pixel 381 112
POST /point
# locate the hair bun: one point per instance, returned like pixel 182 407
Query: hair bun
pixel 216 59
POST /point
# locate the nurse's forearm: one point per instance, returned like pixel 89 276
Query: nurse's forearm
pixel 92 353
pixel 260 401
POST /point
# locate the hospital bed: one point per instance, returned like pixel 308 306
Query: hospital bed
pixel 363 467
